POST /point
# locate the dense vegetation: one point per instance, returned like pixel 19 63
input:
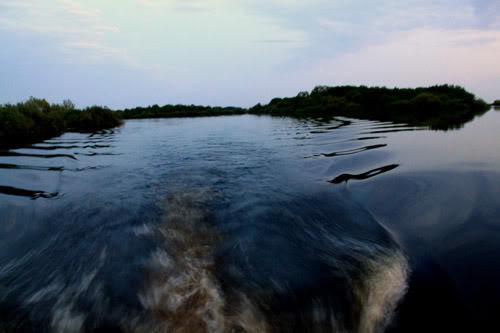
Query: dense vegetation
pixel 37 119
pixel 496 103
pixel 168 111
pixel 439 107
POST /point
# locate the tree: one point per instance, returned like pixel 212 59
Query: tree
pixel 68 105
pixel 37 104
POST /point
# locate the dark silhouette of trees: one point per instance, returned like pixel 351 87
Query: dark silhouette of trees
pixel 438 107
pixel 168 111
pixel 37 119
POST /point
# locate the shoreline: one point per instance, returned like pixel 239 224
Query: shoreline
pixel 441 107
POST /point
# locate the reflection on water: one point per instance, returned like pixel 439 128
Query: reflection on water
pixel 29 167
pixel 54 147
pixel 352 151
pixel 345 177
pixel 14 153
pixel 26 193
pixel 252 224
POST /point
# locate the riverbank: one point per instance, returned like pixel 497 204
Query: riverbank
pixel 438 107
pixel 36 119
pixel 173 111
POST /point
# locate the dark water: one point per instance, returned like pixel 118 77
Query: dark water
pixel 253 224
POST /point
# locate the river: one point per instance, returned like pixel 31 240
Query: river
pixel 253 224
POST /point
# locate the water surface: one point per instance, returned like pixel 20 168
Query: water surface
pixel 279 224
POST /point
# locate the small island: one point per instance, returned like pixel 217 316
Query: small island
pixel 439 107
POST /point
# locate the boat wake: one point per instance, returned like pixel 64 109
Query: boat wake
pixel 181 293
pixel 194 284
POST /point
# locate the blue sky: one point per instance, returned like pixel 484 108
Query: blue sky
pixel 240 52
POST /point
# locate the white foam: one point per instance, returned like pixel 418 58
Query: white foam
pixel 381 290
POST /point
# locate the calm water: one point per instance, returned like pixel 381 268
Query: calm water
pixel 252 224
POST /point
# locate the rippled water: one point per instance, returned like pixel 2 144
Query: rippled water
pixel 253 224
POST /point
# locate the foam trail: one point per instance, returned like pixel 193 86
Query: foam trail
pixel 183 293
pixel 382 289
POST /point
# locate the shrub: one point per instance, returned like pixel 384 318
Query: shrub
pixel 37 119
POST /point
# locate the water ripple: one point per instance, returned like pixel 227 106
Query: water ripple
pixel 29 167
pixel 37 147
pixel 17 154
pixel 33 194
pixel 351 151
pixel 365 175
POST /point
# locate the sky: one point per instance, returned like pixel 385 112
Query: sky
pixel 240 52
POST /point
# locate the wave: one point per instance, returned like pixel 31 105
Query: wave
pixel 33 194
pixel 351 151
pixel 181 293
pixel 363 138
pixel 16 154
pixel 295 266
pixel 96 146
pixel 29 167
pixel 195 284
pixel 345 177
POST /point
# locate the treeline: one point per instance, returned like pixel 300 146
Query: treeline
pixel 438 107
pixel 37 119
pixel 168 111
pixel 496 103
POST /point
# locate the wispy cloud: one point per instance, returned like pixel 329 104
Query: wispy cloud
pixel 242 51
pixel 279 41
pixel 69 23
pixel 183 5
pixel 79 10
pixel 418 57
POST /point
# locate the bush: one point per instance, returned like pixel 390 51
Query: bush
pixel 37 119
